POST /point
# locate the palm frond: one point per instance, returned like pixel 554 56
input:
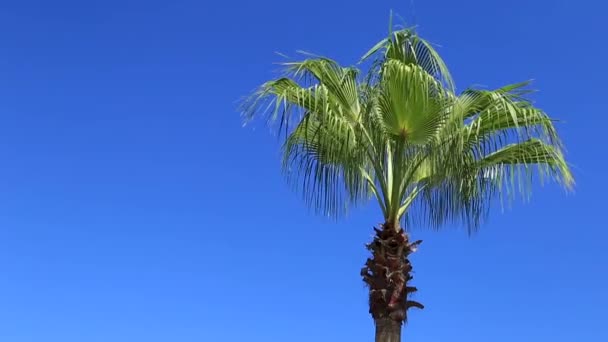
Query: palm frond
pixel 515 163
pixel 411 101
pixel 406 46
pixel 323 154
pixel 340 81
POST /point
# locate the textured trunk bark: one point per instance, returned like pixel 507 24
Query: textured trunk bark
pixel 387 274
pixel 388 330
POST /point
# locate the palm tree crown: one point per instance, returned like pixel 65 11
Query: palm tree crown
pixel 401 134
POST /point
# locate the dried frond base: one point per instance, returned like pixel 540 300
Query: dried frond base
pixel 387 274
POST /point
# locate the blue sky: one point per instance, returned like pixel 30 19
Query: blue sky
pixel 134 206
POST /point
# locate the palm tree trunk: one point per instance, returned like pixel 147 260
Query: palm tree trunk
pixel 387 274
pixel 388 330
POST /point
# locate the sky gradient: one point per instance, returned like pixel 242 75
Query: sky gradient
pixel 135 207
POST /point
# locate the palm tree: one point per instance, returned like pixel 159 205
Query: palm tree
pixel 400 134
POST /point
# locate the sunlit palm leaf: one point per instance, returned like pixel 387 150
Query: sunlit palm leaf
pixel 411 101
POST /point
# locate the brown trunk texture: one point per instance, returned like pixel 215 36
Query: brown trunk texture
pixel 387 274
pixel 388 330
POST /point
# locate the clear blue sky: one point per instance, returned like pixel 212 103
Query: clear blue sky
pixel 134 206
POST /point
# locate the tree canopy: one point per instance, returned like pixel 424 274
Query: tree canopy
pixel 399 132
